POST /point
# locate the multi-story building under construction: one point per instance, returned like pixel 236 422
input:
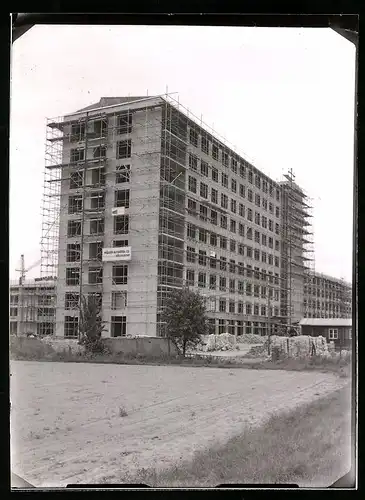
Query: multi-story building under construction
pixel 142 197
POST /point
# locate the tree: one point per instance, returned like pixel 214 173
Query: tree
pixel 185 318
pixel 91 325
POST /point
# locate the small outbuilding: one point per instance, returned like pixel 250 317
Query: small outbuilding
pixel 337 330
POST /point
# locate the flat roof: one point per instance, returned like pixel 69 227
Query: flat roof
pixel 325 322
pixel 318 274
pixel 112 101
pixel 33 284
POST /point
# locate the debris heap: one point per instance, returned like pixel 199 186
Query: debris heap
pixel 221 342
pixel 258 351
pixel 302 346
pixel 251 338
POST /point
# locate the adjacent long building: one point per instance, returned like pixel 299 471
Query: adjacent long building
pixel 327 297
pixel 32 307
pixel 140 198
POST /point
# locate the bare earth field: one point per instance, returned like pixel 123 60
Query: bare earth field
pixel 66 425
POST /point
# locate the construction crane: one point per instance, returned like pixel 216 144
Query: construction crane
pixel 22 269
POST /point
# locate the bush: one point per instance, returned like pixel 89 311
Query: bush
pixel 185 319
pixel 91 326
pixel 123 412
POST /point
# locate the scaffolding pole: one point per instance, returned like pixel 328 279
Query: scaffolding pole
pixel 86 123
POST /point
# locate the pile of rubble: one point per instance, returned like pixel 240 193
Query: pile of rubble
pixel 257 351
pixel 331 346
pixel 301 346
pixel 305 346
pixel 344 354
pixel 221 342
pixel 251 338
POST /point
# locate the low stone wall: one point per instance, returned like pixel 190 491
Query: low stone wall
pixel 64 345
pixel 32 346
pixel 148 346
pixel 28 346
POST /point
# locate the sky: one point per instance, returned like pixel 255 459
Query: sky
pixel 284 96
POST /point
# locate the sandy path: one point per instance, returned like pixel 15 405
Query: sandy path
pixel 66 426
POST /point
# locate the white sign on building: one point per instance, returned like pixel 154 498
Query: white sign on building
pixel 118 211
pixel 116 254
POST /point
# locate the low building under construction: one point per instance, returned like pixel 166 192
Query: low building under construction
pixel 32 307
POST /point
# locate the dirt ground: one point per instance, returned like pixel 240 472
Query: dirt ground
pixel 66 425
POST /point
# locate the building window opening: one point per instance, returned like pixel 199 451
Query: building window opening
pixel 124 123
pixel 123 174
pixel 121 224
pixel 120 274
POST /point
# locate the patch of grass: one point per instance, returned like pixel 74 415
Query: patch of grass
pixel 332 364
pixel 310 442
